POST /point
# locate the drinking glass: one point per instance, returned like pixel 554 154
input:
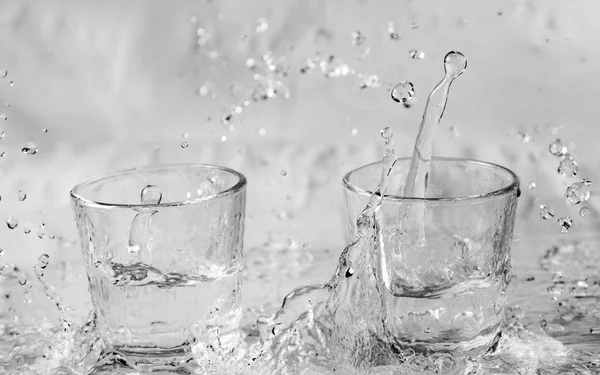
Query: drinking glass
pixel 162 248
pixel 447 255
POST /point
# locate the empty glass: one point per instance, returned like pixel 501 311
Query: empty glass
pixel 163 253
pixel 446 259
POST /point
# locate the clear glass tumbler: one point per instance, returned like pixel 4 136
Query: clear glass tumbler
pixel 447 255
pixel 163 253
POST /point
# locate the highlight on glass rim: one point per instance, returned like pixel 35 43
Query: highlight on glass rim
pixel 299 187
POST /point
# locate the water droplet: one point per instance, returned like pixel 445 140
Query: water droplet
pixel 414 25
pixel 194 19
pixel 416 55
pixel 584 211
pixel 224 138
pixel 392 32
pixel 207 90
pixel 262 131
pixel 427 330
pixel 386 133
pixel 403 92
pixel 358 39
pixel 546 212
pixel 12 222
pixel 30 149
pixel 26 230
pixel 203 37
pixel 557 277
pixel 565 224
pixel 555 290
pixel 455 64
pixel 288 197
pixel 263 25
pixel 3 73
pixel 151 194
pixel 354 131
pixel 1 252
pixel 21 195
pixel 22 280
pixel 7 270
pixel 532 185
pixel 578 192
pixel 283 172
pixel 3 117
pixel 44 130
pixel 568 166
pixel 11 83
pixel 184 144
pixel 40 235
pixel 370 81
pixel 595 331
pixel 523 137
pixel 557 148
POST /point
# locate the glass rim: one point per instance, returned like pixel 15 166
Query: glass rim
pixel 75 195
pixel 512 185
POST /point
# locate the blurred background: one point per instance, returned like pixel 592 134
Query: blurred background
pixel 292 93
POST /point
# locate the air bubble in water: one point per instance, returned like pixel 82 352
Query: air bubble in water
pixel 184 144
pixel 403 92
pixel 416 55
pixel 568 166
pixel 30 149
pixel 565 224
pixel 202 37
pixel 392 31
pixel 386 133
pixel 557 148
pixel 546 212
pixel 151 194
pixel 578 192
pixel 12 222
pixel 584 211
pixel 224 138
pixel 358 39
pixel 21 195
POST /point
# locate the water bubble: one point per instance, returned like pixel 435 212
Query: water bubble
pixel 455 64
pixel 568 166
pixel 416 55
pixel 557 148
pixel 283 172
pixel 532 185
pixel 546 212
pixel 386 133
pixel 370 81
pixel 22 280
pixel 184 144
pixel 565 224
pixel 578 192
pixel 263 25
pixel 584 211
pixel 26 230
pixel 30 149
pixel 12 222
pixel 21 195
pixel 392 31
pixel 523 137
pixel 151 194
pixel 358 39
pixel 403 92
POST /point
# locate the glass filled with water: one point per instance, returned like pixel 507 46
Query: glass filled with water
pixel 444 261
pixel 162 248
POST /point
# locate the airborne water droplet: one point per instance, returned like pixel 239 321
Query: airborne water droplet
pixel 1 252
pixel 358 39
pixel 30 149
pixel 557 148
pixel 151 194
pixel 21 195
pixel 3 117
pixel 12 222
pixel 370 81
pixel 584 211
pixel 578 192
pixel 568 166
pixel 3 73
pixel 22 280
pixel 532 185
pixel 455 64
pixel 283 172
pixel 416 55
pixel 386 133
pixel 263 25
pixel 184 144
pixel 288 197
pixel 565 224
pixel 26 230
pixel 392 32
pixel 403 92
pixel 546 212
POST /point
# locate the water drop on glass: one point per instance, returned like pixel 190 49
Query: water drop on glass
pixel 546 212
pixel 578 192
pixel 26 230
pixel 283 172
pixel 565 224
pixel 184 144
pixel 455 64
pixel 386 133
pixel 21 195
pixel 568 166
pixel 584 211
pixel 22 280
pixel 557 148
pixel 416 55
pixel 12 222
pixel 151 194
pixel 29 149
pixel 403 92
